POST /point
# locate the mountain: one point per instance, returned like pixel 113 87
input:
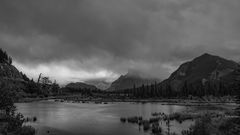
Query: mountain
pixel 80 86
pixel 206 72
pixel 10 77
pixel 129 80
pixel 10 72
pixel 100 84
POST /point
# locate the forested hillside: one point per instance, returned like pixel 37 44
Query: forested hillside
pixel 204 75
pixel 13 80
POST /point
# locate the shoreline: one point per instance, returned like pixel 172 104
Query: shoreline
pixel 176 101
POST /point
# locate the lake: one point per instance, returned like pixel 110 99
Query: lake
pixel 61 118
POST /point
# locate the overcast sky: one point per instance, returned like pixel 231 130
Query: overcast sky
pixel 78 40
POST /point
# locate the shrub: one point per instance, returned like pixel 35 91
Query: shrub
pixel 27 130
pixel 202 127
pixel 15 122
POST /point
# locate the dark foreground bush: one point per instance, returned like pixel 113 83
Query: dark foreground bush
pixel 27 130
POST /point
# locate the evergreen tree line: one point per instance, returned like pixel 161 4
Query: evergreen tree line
pixel 4 58
pixel 214 88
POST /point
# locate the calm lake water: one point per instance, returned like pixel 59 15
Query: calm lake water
pixel 95 119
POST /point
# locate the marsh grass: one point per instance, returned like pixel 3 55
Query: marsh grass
pixel 207 125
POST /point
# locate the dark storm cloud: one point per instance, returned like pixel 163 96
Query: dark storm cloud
pixel 153 36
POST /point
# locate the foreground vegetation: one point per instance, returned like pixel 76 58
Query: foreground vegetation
pixel 11 122
pixel 214 126
pixel 207 123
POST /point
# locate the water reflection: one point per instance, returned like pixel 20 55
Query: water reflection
pixel 95 119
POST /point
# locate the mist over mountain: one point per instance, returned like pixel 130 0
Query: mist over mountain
pixel 99 83
pixel 131 79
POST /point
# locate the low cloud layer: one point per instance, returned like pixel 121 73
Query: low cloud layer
pixel 71 40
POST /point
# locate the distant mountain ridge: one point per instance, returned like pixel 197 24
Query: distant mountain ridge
pixel 80 85
pixel 100 84
pixel 129 80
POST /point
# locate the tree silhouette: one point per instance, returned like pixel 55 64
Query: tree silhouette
pixel 4 58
